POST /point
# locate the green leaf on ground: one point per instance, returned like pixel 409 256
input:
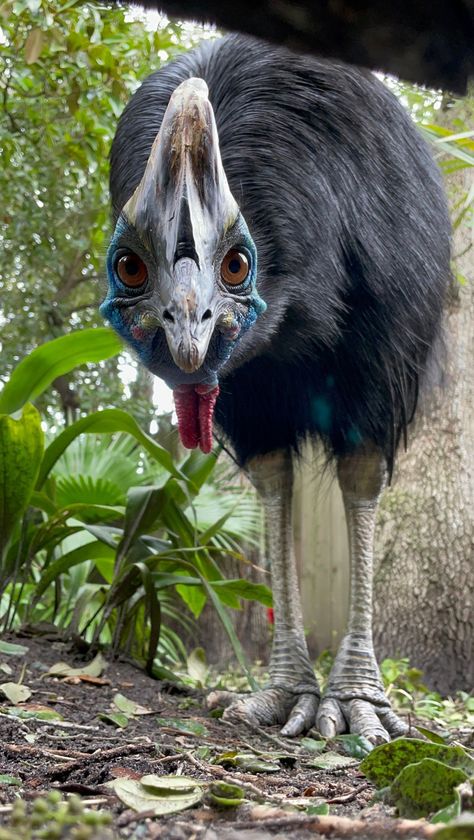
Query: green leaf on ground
pixel 435 737
pixel 247 761
pixel 450 812
pixel 355 745
pixel 423 788
pixel 118 719
pixel 332 761
pixel 225 795
pixel 385 762
pixel 312 745
pixel 160 794
pixel 10 649
pixel 461 829
pixel 188 727
pixel 5 779
pixel 318 810
pixel 15 693
pixel 31 711
pixel 129 707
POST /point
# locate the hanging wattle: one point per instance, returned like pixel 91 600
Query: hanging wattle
pixel 195 411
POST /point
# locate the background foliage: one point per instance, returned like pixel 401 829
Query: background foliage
pixel 67 70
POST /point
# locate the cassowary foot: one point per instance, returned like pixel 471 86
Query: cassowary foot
pixel 354 700
pixel 271 706
pixel 359 717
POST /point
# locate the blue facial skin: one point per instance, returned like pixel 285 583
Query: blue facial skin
pixel 133 314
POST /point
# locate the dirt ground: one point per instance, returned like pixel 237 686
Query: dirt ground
pixel 82 752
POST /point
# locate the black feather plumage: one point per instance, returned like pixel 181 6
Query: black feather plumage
pixel 347 211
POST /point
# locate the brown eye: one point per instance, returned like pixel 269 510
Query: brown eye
pixel 235 267
pixel 131 270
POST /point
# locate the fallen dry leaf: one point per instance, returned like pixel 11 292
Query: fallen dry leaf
pixel 87 678
pixel 92 669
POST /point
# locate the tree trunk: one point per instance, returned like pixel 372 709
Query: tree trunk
pixel 424 587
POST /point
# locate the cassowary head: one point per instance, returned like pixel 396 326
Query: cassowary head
pixel 182 265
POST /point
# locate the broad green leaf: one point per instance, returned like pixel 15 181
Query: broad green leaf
pixel 198 467
pixel 6 779
pixel 161 795
pixel 144 506
pixel 194 597
pixel 386 761
pixel 38 370
pixel 103 422
pixel 15 693
pixel 21 448
pixel 244 589
pixel 332 761
pixel 425 787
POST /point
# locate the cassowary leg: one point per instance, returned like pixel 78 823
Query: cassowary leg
pixel 293 694
pixel 354 699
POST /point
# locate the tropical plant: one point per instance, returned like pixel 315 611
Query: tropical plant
pixel 96 549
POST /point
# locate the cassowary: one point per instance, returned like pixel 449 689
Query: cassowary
pixel 280 259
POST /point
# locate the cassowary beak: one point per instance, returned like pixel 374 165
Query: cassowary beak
pixel 181 209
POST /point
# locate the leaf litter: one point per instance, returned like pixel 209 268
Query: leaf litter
pixel 173 771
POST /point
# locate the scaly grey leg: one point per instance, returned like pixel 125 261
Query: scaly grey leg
pixel 354 699
pixel 293 694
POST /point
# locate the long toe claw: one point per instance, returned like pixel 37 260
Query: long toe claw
pixel 302 716
pixel 364 721
pixel 330 721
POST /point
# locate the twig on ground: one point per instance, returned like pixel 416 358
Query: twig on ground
pixel 58 724
pixel 273 818
pixel 60 771
pixel 347 797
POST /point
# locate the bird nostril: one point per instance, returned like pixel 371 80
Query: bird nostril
pixel 207 315
pixel 168 316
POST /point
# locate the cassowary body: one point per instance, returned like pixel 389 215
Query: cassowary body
pixel 322 178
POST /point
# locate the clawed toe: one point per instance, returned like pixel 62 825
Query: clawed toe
pixel 360 717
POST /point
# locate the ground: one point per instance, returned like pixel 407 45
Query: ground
pixel 82 752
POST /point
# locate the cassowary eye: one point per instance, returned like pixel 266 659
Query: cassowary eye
pixel 235 268
pixel 131 270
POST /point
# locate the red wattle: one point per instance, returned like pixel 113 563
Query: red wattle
pixel 207 401
pixel 195 410
pixel 187 410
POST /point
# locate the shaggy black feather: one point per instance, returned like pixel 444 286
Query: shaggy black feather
pixel 348 214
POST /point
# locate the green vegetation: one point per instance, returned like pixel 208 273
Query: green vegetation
pixel 98 549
